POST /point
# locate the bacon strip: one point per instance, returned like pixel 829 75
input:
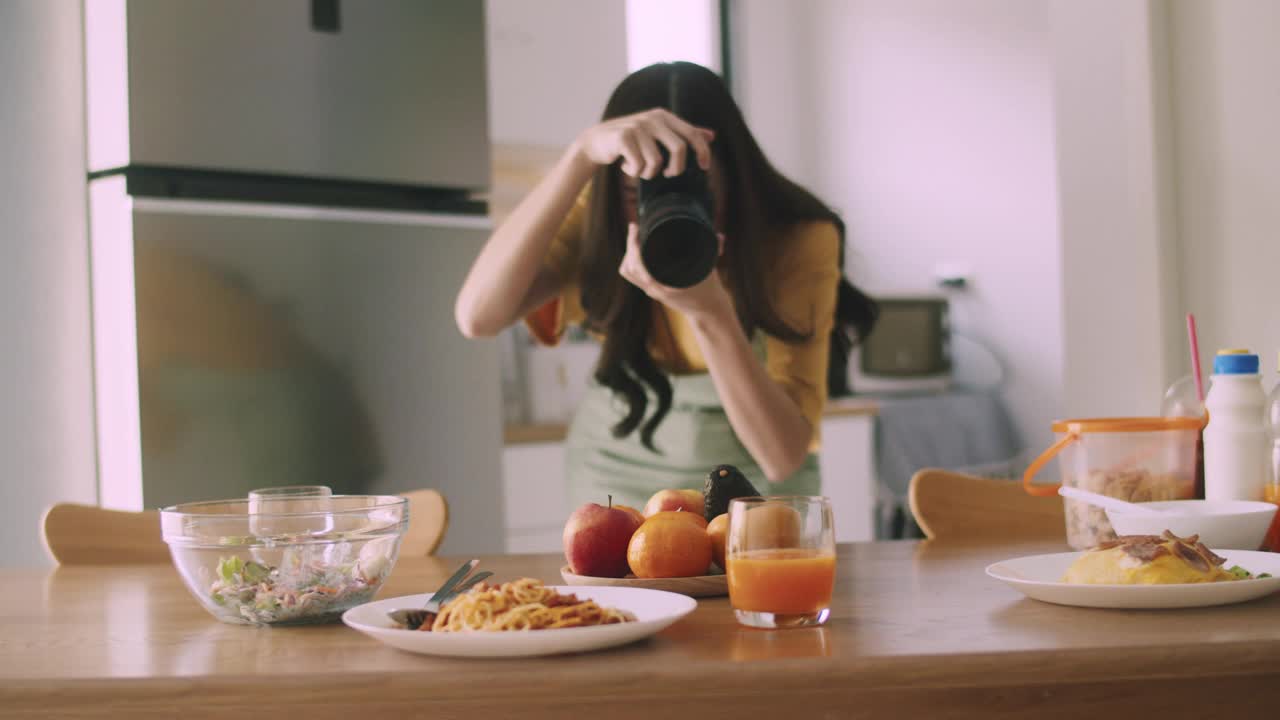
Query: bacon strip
pixel 1189 554
pixel 1149 547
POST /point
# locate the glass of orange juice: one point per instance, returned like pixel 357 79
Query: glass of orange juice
pixel 781 558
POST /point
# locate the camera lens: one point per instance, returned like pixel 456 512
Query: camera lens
pixel 678 246
pixel 678 242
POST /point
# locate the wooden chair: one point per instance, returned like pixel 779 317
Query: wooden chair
pixel 953 506
pixel 428 522
pixel 90 535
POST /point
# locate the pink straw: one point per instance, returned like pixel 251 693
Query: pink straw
pixel 1195 355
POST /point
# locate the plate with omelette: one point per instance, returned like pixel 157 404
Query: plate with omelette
pixel 1145 572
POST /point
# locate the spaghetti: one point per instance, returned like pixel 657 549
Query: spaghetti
pixel 524 604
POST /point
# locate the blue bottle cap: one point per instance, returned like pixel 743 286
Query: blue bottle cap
pixel 1235 362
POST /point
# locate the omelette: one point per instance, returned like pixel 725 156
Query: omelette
pixel 1150 560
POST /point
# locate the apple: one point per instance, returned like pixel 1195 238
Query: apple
pixel 668 500
pixel 639 516
pixel 596 539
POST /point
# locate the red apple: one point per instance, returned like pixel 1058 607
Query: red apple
pixel 596 539
pixel 639 516
pixel 689 501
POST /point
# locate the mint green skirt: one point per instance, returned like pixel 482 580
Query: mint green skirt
pixel 693 438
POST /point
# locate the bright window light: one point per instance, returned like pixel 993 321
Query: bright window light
pixel 106 83
pixel 667 30
pixel 115 345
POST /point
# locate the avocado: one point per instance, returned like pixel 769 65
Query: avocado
pixel 725 483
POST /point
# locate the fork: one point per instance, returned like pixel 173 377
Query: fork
pixel 458 583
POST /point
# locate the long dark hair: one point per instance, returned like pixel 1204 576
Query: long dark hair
pixel 759 202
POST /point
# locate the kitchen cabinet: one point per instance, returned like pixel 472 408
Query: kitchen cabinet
pixel 533 478
pixel 535 496
pixel 847 464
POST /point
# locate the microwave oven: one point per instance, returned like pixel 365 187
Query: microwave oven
pixel 908 351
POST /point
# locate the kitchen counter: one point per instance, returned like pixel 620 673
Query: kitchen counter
pixel 534 433
pixel 917 631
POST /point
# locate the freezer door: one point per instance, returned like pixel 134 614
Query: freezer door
pixel 300 346
pixel 386 91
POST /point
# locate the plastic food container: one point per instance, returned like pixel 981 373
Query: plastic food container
pixel 282 567
pixel 1133 459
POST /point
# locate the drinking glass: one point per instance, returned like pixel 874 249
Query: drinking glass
pixel 290 510
pixel 781 557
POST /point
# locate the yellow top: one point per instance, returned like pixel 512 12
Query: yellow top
pixel 802 262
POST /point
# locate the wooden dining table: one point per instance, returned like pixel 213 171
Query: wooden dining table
pixel 917 630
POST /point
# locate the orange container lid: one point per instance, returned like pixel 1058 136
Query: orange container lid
pixel 1128 425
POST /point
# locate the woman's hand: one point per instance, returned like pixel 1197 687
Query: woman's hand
pixel 708 300
pixel 636 138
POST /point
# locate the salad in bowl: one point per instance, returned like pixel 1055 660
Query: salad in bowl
pixel 284 568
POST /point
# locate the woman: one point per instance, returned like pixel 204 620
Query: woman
pixel 731 370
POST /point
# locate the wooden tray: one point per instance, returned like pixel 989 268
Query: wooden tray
pixel 696 587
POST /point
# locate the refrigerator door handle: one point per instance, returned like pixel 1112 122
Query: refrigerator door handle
pixel 325 16
pixel 310 212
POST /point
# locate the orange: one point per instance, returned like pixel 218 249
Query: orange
pixel 718 531
pixel 685 516
pixel 769 527
pixel 667 547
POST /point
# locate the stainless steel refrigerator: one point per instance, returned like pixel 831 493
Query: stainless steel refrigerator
pixel 283 203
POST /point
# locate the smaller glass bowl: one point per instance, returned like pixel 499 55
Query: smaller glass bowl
pixel 307 567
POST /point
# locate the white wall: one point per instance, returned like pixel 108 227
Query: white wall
pixel 552 66
pixel 46 418
pixel 929 125
pixel 1124 337
pixel 771 66
pixel 1227 140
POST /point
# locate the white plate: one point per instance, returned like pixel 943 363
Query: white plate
pixel 655 610
pixel 1040 577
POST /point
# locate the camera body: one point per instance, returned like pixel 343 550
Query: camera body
pixel 677 236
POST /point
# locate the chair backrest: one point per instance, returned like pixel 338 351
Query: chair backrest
pixel 89 535
pixel 428 522
pixel 953 506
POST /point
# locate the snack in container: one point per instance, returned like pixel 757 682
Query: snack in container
pixel 1132 459
pixel 1087 525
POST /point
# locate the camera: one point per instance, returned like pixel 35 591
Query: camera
pixel 678 243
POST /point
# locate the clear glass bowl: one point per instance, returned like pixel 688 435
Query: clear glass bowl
pixel 291 566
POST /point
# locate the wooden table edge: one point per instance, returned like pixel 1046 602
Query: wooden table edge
pixel 1253 694
pixel 974 670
